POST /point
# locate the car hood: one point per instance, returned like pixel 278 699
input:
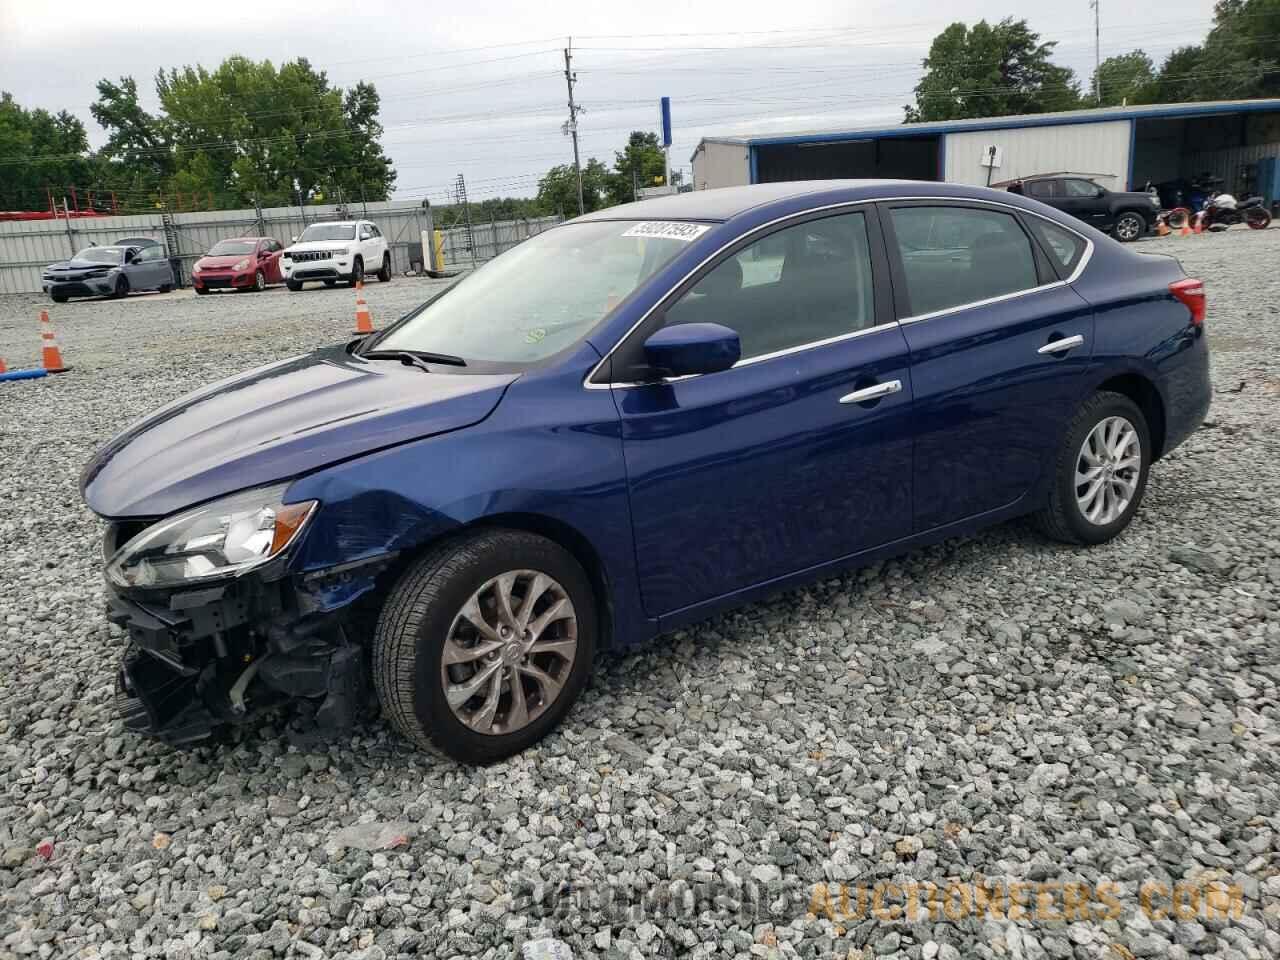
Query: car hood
pixel 321 245
pixel 275 423
pixel 77 265
pixel 217 263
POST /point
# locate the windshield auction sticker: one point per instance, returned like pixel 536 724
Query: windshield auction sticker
pixel 668 229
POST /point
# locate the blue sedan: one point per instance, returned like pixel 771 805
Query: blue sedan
pixel 625 424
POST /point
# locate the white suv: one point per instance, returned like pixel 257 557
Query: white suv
pixel 337 250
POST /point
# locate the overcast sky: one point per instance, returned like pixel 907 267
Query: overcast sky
pixel 479 89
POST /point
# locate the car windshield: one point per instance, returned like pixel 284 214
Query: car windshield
pixel 231 248
pixel 328 231
pixel 100 254
pixel 540 297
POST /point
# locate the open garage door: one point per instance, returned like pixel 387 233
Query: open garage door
pixel 907 158
pixel 1182 156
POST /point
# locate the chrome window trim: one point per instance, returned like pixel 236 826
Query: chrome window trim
pixel 803 214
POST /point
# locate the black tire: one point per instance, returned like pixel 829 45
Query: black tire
pixel 384 272
pixel 1062 519
pixel 58 297
pixel 357 272
pixel 202 291
pixel 259 282
pixel 1129 226
pixel 409 640
pixel 1256 218
pixel 122 288
pixel 331 283
pixel 294 285
pixel 166 288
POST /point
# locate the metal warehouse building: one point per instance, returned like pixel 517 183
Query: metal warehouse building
pixel 1122 147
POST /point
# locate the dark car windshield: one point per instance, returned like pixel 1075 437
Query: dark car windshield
pixel 231 248
pixel 100 254
pixel 544 295
pixel 328 231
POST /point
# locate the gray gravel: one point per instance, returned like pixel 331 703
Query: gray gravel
pixel 993 707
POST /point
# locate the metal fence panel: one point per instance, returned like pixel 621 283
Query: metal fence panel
pixel 26 247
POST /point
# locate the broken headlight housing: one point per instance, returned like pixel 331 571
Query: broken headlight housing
pixel 224 538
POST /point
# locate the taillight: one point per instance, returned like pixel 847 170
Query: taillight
pixel 1191 293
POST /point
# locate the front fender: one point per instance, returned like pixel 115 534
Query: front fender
pixel 551 450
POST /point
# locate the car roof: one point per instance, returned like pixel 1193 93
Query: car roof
pixel 724 203
pixel 137 242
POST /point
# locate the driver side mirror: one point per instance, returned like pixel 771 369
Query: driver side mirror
pixel 687 349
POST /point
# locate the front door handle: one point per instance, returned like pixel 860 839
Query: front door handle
pixel 873 392
pixel 1066 343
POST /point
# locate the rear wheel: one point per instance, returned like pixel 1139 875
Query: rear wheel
pixel 202 291
pixel 166 288
pixel 1129 227
pixel 384 272
pixel 1257 218
pixel 331 283
pixel 484 644
pixel 1100 472
pixel 294 285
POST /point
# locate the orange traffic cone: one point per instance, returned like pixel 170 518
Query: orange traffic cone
pixel 50 355
pixel 1185 231
pixel 3 368
pixel 364 322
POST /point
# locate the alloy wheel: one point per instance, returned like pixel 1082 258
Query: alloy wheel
pixel 1128 227
pixel 1108 467
pixel 509 652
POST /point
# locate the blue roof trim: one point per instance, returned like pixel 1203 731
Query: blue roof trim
pixel 996 123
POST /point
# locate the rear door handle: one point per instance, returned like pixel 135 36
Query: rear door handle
pixel 873 392
pixel 1066 343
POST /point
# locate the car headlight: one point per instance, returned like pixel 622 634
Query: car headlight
pixel 242 265
pixel 225 538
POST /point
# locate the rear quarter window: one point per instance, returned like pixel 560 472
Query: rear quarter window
pixel 1064 247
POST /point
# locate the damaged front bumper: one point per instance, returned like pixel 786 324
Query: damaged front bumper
pixel 199 660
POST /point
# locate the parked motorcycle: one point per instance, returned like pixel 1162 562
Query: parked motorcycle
pixel 1222 210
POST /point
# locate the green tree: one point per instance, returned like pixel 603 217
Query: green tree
pixel 558 189
pixel 246 131
pixel 1241 53
pixel 39 150
pixel 639 164
pixel 991 71
pixel 1178 76
pixel 1126 78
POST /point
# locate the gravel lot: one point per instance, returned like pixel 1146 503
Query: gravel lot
pixel 993 707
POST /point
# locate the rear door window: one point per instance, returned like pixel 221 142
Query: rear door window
pixel 1041 189
pixel 951 256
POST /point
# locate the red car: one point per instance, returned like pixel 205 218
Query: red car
pixel 245 263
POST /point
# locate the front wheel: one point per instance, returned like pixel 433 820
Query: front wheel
pixel 1257 218
pixel 357 272
pixel 259 282
pixel 58 297
pixel 122 288
pixel 384 272
pixel 202 291
pixel 1100 473
pixel 484 644
pixel 294 285
pixel 1129 227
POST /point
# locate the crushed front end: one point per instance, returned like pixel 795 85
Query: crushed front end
pixel 210 654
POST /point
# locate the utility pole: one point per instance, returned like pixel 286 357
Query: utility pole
pixel 570 126
pixel 1097 51
pixel 460 196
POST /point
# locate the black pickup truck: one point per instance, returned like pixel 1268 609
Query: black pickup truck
pixel 1126 216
